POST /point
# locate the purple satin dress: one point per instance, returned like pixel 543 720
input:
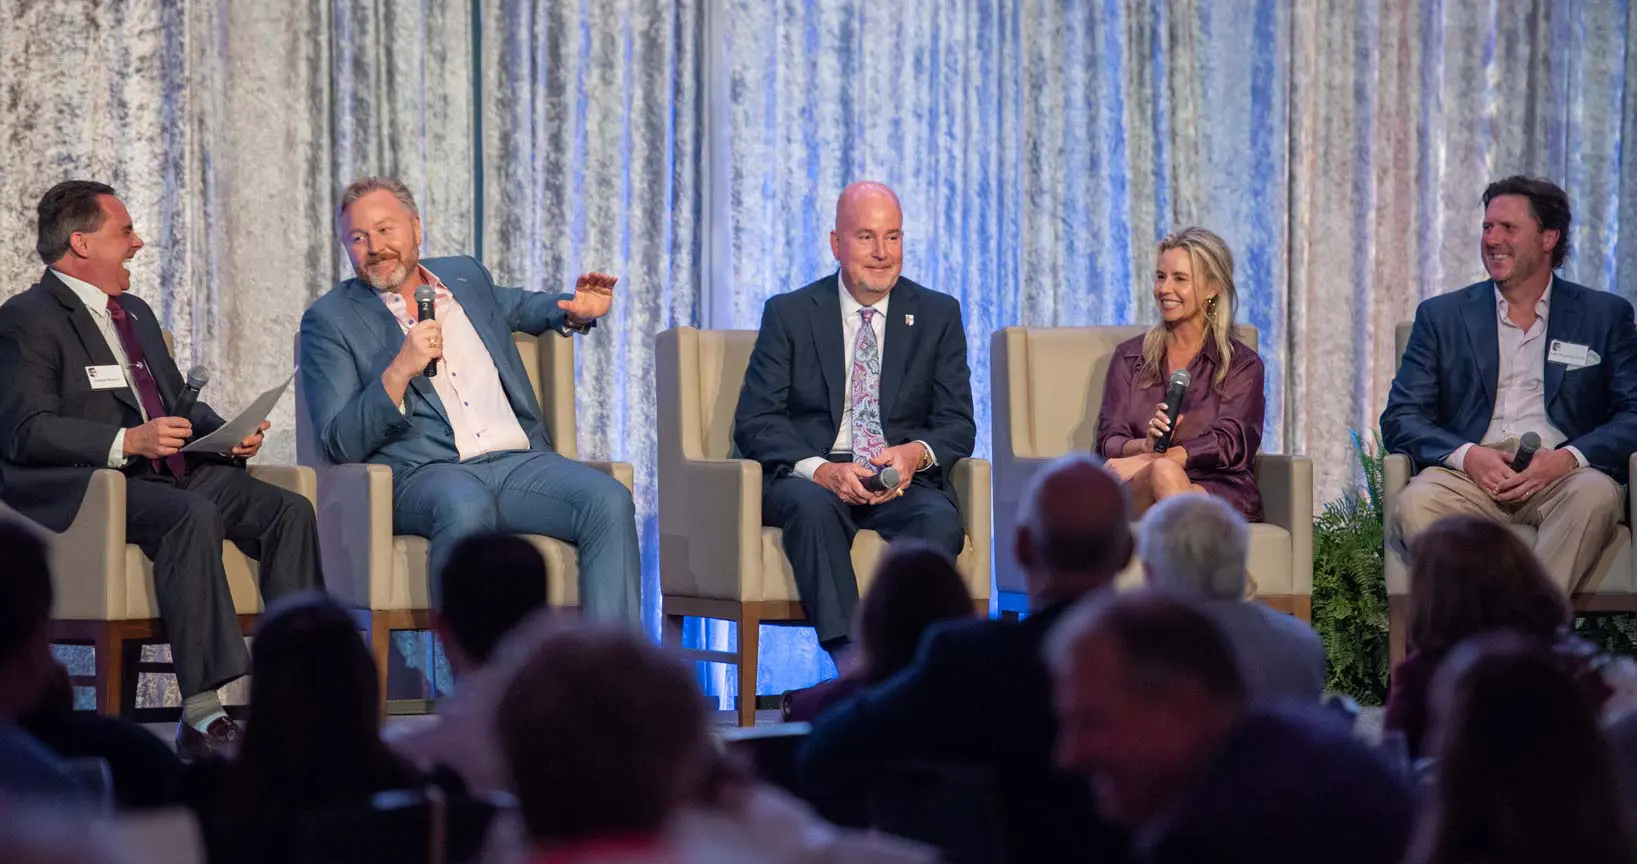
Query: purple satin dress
pixel 1220 430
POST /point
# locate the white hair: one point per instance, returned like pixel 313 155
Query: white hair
pixel 1195 544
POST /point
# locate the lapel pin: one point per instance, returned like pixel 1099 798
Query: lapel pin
pixel 909 320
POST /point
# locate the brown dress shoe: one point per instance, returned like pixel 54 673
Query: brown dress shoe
pixel 221 738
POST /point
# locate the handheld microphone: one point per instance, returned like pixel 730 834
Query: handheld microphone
pixel 198 377
pixel 425 301
pixel 1173 406
pixel 887 479
pixel 1527 445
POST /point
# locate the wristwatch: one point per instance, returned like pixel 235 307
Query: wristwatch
pixel 926 458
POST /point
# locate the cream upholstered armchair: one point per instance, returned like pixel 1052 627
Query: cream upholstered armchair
pixel 715 558
pixel 1612 586
pixel 1046 388
pixel 384 575
pixel 104 586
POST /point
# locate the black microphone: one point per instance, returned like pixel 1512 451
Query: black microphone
pixel 886 479
pixel 1173 405
pixel 198 377
pixel 425 299
pixel 1527 445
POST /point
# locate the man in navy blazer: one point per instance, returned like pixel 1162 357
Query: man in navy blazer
pixel 1523 352
pixel 465 443
pixel 853 374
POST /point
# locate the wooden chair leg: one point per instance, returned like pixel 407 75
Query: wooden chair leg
pixel 1302 607
pixel 109 648
pixel 380 647
pixel 750 636
pixel 1397 620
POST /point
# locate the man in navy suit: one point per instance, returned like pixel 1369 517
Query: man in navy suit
pixel 1521 352
pixel 466 446
pixel 852 374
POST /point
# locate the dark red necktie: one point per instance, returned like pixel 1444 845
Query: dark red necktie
pixel 147 389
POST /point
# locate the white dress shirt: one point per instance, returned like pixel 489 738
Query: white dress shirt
pixel 851 324
pixel 1520 387
pixel 96 302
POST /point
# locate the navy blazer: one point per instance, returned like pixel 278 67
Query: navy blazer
pixel 796 383
pixel 54 429
pixel 349 337
pixel 1444 393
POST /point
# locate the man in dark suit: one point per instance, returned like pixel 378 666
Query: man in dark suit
pixel 467 446
pixel 1151 706
pixel 90 384
pixel 978 692
pixel 853 374
pixel 1522 352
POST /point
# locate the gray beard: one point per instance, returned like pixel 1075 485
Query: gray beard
pixel 391 281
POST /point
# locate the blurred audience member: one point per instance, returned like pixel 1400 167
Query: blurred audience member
pixel 915 587
pixel 27 768
pixel 313 741
pixel 1199 545
pixel 621 723
pixel 491 584
pixel 978 692
pixel 1470 575
pixel 145 772
pixel 1152 708
pixel 1523 774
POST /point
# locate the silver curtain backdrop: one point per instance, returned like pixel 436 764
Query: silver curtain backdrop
pixel 695 147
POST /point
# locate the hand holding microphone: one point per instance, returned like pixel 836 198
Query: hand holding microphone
pixel 426 302
pixel 1164 424
pixel 198 377
pixel 1527 445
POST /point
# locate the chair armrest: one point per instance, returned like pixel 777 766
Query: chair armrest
pixel 355 533
pixel 710 527
pixel 1286 485
pixel 621 471
pixel 973 490
pixel 88 559
pixel 293 478
pixel 1631 494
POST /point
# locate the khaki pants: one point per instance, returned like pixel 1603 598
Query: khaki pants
pixel 1573 517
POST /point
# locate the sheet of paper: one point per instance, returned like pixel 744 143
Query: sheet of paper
pixel 223 440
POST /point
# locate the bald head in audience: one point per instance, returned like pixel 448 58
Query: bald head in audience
pixel 1074 534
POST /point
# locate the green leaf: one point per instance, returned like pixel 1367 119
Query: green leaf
pixel 1349 585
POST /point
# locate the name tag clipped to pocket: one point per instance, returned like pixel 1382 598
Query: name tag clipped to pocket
pixel 105 377
pixel 1568 353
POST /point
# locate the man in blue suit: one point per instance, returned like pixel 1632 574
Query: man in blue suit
pixel 466 445
pixel 1521 352
pixel 853 374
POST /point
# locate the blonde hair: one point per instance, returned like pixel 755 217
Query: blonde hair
pixel 1212 263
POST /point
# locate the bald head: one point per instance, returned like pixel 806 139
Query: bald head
pixel 868 240
pixel 1074 534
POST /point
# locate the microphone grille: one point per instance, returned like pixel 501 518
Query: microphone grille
pixel 889 476
pixel 1530 441
pixel 198 377
pixel 425 294
pixel 1181 378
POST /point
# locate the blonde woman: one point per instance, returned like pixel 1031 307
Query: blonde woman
pixel 1219 427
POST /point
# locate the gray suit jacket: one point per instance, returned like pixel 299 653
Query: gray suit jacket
pixel 1281 657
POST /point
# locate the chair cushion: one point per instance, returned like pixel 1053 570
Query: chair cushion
pixel 410 588
pixel 142 602
pixel 779 582
pixel 1613 573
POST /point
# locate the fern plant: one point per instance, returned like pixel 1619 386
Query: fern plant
pixel 1349 585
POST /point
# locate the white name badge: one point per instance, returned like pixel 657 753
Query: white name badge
pixel 105 377
pixel 1567 353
